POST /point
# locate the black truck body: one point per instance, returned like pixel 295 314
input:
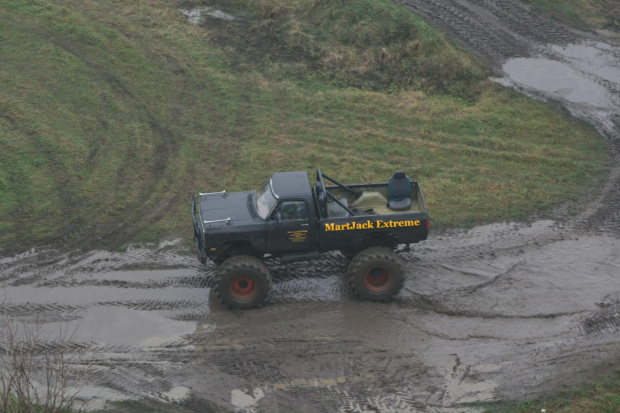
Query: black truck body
pixel 226 223
pixel 289 219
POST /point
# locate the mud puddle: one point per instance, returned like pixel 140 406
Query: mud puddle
pixel 558 79
pixel 586 75
pixel 198 15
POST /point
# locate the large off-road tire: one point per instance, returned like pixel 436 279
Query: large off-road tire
pixel 242 282
pixel 376 274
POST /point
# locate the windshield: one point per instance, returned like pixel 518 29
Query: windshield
pixel 264 200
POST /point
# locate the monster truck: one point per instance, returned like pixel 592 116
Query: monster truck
pixel 289 220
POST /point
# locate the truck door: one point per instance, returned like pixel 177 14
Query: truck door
pixel 289 227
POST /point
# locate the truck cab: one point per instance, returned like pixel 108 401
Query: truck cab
pixel 290 216
pixel 277 219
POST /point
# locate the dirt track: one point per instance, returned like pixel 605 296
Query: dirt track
pixel 503 311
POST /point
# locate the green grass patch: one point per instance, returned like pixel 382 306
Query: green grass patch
pixel 600 397
pixel 375 45
pixel 112 114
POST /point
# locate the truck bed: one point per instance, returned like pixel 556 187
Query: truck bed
pixel 369 219
pixel 372 199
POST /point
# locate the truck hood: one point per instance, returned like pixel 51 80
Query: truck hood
pixel 232 205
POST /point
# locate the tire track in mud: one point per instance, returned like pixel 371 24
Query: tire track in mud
pixel 255 363
pixel 267 366
pixel 294 368
pixel 203 281
pixel 496 30
pixel 606 319
pixel 251 360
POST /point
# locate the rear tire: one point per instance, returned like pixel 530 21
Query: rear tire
pixel 376 274
pixel 242 282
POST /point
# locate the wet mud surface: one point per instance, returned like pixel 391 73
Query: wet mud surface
pixel 503 311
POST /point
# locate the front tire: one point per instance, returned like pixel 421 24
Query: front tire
pixel 376 274
pixel 242 282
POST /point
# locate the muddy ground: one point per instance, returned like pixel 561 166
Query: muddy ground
pixel 500 312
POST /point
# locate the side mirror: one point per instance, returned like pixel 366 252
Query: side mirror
pixel 278 217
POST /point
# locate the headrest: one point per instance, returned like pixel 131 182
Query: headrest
pixel 322 202
pixel 399 174
pixel 318 186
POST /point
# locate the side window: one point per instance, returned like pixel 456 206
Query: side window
pixel 290 210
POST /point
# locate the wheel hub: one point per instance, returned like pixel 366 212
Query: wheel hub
pixel 377 279
pixel 243 288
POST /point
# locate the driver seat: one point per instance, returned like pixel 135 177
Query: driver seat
pixel 399 191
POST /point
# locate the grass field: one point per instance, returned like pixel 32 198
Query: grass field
pixel 600 397
pixel 113 113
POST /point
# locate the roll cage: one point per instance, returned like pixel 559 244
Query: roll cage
pixel 321 193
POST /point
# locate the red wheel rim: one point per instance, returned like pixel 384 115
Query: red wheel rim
pixel 243 288
pixel 377 280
